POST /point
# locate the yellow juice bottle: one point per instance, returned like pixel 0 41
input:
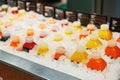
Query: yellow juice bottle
pixel 43 48
pixel 80 55
pixel 104 32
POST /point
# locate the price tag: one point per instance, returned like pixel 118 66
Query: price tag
pixel 59 14
pixel 115 24
pixel 48 11
pixel 70 15
pixel 84 18
pixel 98 19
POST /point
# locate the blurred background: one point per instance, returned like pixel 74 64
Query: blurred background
pixel 110 8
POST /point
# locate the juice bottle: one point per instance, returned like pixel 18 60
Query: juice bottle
pixel 15 41
pixel 93 42
pixel 58 37
pixel 96 62
pixel 83 34
pixel 118 40
pixel 60 51
pixel 91 27
pixel 68 31
pixel 51 21
pixel 0 33
pixel 4 8
pixel 14 10
pixel 21 12
pixel 5 35
pixel 42 26
pixel 43 48
pixel 29 44
pixel 112 50
pixel 64 23
pixel 30 32
pixel 80 55
pixel 43 34
pixel 104 32
pixel 77 25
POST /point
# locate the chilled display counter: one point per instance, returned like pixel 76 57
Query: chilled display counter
pixel 61 45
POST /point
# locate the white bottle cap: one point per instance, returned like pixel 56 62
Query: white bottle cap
pixel 104 27
pixel 29 39
pixel 80 48
pixel 112 43
pixel 76 23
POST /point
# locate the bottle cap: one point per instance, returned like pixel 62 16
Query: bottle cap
pixel 76 23
pixel 112 43
pixel 5 33
pixel 96 54
pixel 60 49
pixel 29 39
pixel 104 27
pixel 80 48
pixel 94 36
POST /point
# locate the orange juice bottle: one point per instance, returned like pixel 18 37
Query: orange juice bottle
pixel 96 62
pixel 42 26
pixel 30 32
pixel 104 32
pixel 80 55
pixel 77 25
pixel 15 41
pixel 0 33
pixel 51 21
pixel 118 40
pixel 43 48
pixel 91 27
pixel 60 51
pixel 93 42
pixel 83 34
pixel 112 50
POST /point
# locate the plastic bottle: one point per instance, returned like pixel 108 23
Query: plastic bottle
pixel 80 55
pixel 104 32
pixel 112 50
pixel 96 62
pixel 29 44
pixel 60 51
pixel 93 42
pixel 43 48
